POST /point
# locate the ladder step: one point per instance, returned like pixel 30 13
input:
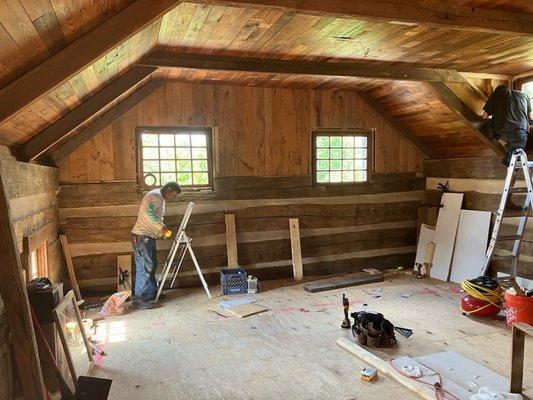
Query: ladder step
pixel 518 190
pixel 506 238
pixel 514 213
pixel 509 257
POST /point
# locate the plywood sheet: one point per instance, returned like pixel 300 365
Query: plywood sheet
pixel 359 278
pixel 470 244
pixel 445 233
pixel 246 310
pixel 427 234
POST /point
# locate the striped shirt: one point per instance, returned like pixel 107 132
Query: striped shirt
pixel 151 214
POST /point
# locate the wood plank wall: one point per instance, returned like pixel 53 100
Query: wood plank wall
pixel 481 180
pixel 262 174
pixel 260 131
pixel 32 190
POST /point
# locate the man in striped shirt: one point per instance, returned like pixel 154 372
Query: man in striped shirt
pixel 147 229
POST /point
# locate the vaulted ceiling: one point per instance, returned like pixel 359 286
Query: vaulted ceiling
pixel 32 31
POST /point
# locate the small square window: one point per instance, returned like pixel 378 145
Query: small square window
pixel 342 157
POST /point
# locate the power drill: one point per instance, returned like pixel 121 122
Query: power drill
pixel 346 324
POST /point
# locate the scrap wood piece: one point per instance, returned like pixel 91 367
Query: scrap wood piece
pixel 124 272
pixel 296 249
pixel 424 391
pixel 359 278
pixel 231 240
pixel 70 268
pixel 246 310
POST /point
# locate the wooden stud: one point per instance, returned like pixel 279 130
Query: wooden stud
pixel 368 69
pixel 296 249
pixel 83 52
pixel 231 240
pixel 48 137
pixel 520 330
pixel 70 267
pixel 15 298
pixel 124 264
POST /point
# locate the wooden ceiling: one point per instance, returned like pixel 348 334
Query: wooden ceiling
pixel 33 30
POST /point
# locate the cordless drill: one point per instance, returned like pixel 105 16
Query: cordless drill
pixel 346 324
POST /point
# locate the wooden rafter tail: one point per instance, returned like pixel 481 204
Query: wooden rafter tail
pixel 415 12
pixel 401 128
pixel 471 119
pixel 104 120
pixel 355 68
pixel 60 129
pixel 60 67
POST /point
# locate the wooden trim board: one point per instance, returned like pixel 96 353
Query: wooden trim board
pixel 445 233
pixel 70 267
pixel 427 234
pixel 359 278
pixel 231 240
pixel 296 249
pixel 470 245
pixel 124 264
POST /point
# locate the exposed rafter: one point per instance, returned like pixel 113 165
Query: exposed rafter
pixel 472 120
pixel 104 120
pixel 437 13
pixel 401 128
pixel 360 69
pixel 83 52
pixel 54 133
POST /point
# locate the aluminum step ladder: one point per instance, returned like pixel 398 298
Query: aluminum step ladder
pixel 518 163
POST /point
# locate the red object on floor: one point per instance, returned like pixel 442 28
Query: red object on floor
pixel 478 307
pixel 518 309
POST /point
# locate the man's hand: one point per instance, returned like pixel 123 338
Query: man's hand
pixel 166 232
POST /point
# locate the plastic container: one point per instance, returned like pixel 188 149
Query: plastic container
pixel 518 309
pixel 233 281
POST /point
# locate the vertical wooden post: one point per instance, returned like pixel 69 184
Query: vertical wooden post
pixel 296 249
pixel 517 359
pixel 15 297
pixel 231 240
pixel 124 264
pixel 70 268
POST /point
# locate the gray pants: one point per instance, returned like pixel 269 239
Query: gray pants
pixel 514 141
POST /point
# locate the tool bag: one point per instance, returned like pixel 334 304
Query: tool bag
pixel 372 329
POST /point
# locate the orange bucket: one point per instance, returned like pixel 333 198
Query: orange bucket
pixel 518 309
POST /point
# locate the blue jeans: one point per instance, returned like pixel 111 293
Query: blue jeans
pixel 145 254
pixel 514 140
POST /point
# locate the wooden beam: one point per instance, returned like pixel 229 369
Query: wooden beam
pixel 60 129
pixel 70 268
pixel 519 331
pixel 231 240
pixel 296 249
pixel 471 119
pixel 15 298
pixel 360 69
pixel 412 12
pixel 83 52
pixel 104 120
pixel 401 128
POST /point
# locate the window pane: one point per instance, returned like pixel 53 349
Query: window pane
pixel 199 140
pixel 347 141
pixel 199 153
pixel 360 153
pixel 199 165
pixel 360 176
pixel 335 176
pixel 322 165
pixel 348 153
pixel 347 165
pixel 168 166
pixel 322 177
pixel 360 164
pixel 166 140
pixel 335 141
pixel 150 153
pixel 322 154
pixel 150 166
pixel 182 140
pixel 322 141
pixel 149 140
pixel 167 177
pixel 183 153
pixel 347 176
pixel 185 178
pixel 151 179
pixel 167 153
pixel 335 153
pixel 335 165
pixel 200 178
pixel 184 165
pixel 360 141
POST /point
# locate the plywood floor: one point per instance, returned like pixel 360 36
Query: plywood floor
pixel 184 351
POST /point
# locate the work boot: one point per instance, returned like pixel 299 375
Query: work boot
pixel 146 305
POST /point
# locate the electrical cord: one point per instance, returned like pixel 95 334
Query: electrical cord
pixel 491 296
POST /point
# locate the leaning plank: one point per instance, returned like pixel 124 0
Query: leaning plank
pixel 89 108
pixel 359 278
pixel 70 267
pixel 424 391
pixel 124 272
pixel 231 240
pixel 296 249
pixel 15 299
pixel 72 59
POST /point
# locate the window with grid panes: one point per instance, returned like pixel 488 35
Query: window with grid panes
pixel 168 154
pixel 342 157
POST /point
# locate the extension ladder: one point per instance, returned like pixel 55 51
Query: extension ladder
pixel 518 163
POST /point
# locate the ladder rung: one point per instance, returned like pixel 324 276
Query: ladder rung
pixel 518 190
pixel 505 238
pixel 514 213
pixel 508 257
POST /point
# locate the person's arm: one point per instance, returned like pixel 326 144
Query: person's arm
pixel 152 216
pixel 485 115
pixel 529 112
pixel 488 109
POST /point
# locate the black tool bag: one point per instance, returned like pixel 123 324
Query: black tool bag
pixel 372 329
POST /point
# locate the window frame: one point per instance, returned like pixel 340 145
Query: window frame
pixel 368 133
pixel 156 129
pixel 519 84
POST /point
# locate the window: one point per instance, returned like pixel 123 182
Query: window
pixel 342 157
pixel 166 154
pixel 38 262
pixel 528 88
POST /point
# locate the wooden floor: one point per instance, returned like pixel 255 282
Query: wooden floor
pixel 184 351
